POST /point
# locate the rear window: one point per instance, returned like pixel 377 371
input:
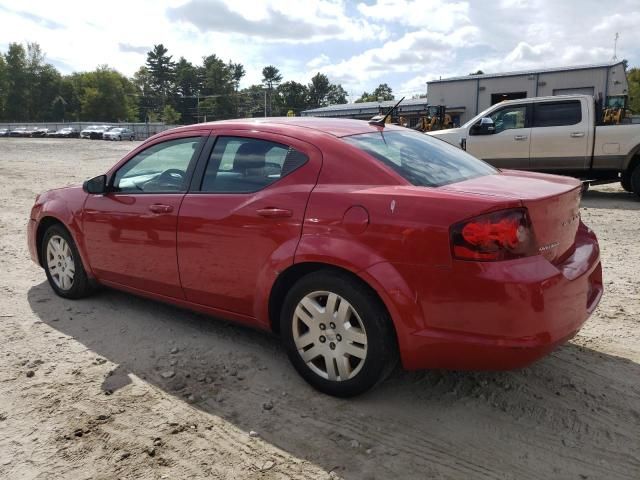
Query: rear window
pixel 422 160
pixel 557 114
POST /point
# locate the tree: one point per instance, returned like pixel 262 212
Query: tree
pixel 479 72
pixel 319 88
pixel 251 102
pixel 382 92
pixel 17 93
pixel 4 85
pixel 188 83
pixel 170 115
pixel 218 89
pixel 292 96
pixel 633 77
pixel 106 95
pixel 337 95
pixel 161 74
pixel 270 77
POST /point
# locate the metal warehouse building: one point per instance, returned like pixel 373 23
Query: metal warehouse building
pixel 411 109
pixel 478 92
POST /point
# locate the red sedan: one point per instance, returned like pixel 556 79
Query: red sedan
pixel 357 243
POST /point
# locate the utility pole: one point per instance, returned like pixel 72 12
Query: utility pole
pixel 265 103
pixel 615 47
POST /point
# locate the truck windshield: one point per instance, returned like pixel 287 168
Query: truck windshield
pixel 422 160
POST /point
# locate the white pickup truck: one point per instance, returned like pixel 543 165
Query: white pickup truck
pixel 558 135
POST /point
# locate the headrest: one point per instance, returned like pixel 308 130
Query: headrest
pixel 251 155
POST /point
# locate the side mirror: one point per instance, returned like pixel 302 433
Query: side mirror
pixel 96 185
pixel 484 127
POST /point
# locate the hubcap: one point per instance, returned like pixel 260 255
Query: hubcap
pixel 330 336
pixel 60 262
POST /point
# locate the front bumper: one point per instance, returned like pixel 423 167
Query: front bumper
pixel 502 315
pixel 32 227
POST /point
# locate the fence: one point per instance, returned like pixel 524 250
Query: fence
pixel 142 130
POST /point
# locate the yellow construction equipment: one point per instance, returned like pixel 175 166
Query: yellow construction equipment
pixel 436 119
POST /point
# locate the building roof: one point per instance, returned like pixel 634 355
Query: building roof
pixel 370 108
pixel 527 72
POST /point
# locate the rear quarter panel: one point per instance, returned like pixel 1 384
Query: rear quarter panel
pixel 615 146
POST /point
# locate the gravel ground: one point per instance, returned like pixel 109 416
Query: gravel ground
pixel 116 386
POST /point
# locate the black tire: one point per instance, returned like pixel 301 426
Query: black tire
pixel 625 181
pixel 635 180
pixel 80 286
pixel 381 347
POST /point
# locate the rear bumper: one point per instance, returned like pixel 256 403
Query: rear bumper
pixel 502 315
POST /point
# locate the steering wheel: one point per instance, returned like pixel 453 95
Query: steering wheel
pixel 172 177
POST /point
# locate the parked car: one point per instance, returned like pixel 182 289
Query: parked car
pixel 118 133
pixel 20 132
pixel 66 132
pixel 4 132
pixel 554 135
pixel 98 133
pixel 370 243
pixel 94 132
pixel 39 132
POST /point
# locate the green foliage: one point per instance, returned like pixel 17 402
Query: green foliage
pixel 170 115
pixel 633 77
pixel 162 89
pixel 382 92
pixel 17 90
pixel 292 96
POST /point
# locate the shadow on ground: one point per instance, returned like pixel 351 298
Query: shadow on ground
pixel 606 199
pixel 571 415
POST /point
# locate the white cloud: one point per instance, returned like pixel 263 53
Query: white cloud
pixel 401 42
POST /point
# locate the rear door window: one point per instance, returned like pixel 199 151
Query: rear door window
pixel 245 165
pixel 557 114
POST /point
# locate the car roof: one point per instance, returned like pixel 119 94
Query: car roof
pixel 337 127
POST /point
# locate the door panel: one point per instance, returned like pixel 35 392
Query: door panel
pixel 231 243
pixel 560 136
pixel 130 232
pixel 129 244
pixel 509 146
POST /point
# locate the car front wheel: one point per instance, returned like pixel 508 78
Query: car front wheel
pixel 337 334
pixel 62 264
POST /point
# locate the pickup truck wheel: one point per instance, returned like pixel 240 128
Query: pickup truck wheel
pixel 635 180
pixel 625 181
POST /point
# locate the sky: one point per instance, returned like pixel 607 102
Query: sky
pixel 358 44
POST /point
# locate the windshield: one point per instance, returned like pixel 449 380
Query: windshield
pixel 422 160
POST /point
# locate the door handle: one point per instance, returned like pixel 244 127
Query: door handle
pixel 576 134
pixel 520 137
pixel 160 208
pixel 271 212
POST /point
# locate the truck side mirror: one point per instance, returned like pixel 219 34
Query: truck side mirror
pixel 484 127
pixel 96 185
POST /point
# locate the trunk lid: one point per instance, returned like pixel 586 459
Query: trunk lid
pixel 553 204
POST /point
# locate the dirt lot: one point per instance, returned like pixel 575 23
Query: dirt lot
pixel 120 387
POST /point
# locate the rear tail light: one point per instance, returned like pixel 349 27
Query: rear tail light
pixel 502 235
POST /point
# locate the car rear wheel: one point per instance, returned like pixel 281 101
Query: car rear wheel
pixel 337 334
pixel 62 264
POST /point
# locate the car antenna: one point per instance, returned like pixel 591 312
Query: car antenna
pixel 380 119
